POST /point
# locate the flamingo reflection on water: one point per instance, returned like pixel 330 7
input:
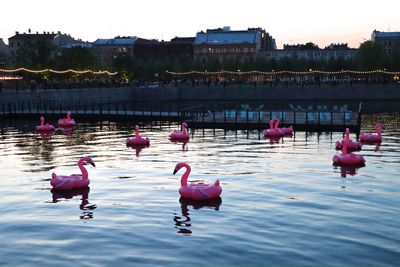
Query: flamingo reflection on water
pixel 59 195
pixel 183 222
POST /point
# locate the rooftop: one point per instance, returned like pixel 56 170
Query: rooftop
pixel 378 34
pixel 116 41
pixel 226 36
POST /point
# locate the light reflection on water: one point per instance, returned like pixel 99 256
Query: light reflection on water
pixel 283 203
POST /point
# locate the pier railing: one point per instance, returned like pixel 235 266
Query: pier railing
pixel 197 115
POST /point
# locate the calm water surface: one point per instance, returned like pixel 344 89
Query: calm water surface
pixel 283 204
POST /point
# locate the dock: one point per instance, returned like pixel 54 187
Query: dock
pixel 198 116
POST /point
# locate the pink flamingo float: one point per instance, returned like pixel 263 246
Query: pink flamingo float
pixel 177 135
pixel 351 145
pixel 372 138
pixel 273 131
pixel 66 122
pixel 62 182
pixel 138 140
pixel 285 130
pixel 44 128
pixel 199 191
pixel 345 158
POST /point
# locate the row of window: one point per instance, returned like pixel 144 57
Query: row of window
pixel 215 50
pixel 115 49
pixel 12 44
pixel 389 43
pixel 312 54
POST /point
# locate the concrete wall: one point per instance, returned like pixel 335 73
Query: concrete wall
pixel 92 95
pixel 170 94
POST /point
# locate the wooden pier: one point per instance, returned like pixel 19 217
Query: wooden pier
pixel 197 116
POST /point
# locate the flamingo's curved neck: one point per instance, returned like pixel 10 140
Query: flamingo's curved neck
pixel 185 175
pixel 347 134
pixel 344 148
pixel 378 130
pixel 277 123
pixel 83 169
pixel 68 115
pixel 137 134
pixel 184 129
pixel 41 121
pixel 271 124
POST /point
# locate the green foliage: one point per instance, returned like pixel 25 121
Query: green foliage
pixel 370 56
pixel 35 54
pixel 77 57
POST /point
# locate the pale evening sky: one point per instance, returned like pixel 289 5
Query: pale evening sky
pixel 290 21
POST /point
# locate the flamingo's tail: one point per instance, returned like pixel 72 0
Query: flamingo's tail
pixel 53 175
pixel 338 144
pixel 216 183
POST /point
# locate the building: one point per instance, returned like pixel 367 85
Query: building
pixel 390 41
pixel 3 52
pixel 106 50
pixel 179 48
pixel 20 42
pixel 312 52
pixel 3 47
pixel 225 45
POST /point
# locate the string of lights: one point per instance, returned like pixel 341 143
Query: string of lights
pixel 282 72
pixel 59 71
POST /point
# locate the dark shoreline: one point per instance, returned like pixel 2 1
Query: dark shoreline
pixel 363 98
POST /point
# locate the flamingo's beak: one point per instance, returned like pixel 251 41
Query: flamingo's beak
pixel 175 170
pixel 92 163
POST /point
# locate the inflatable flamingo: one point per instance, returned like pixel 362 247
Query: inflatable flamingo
pixel 138 140
pixel 286 131
pixel 373 138
pixel 72 181
pixel 351 145
pixel 273 131
pixel 198 191
pixel 345 158
pixel 66 122
pixel 180 135
pixel 44 127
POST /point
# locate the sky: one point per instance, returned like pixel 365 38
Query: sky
pixel 288 21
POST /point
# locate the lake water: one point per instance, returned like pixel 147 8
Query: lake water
pixel 283 204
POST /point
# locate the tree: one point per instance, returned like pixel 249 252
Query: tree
pixel 76 58
pixel 370 56
pixel 35 54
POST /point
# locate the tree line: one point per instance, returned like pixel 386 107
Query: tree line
pixel 42 54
